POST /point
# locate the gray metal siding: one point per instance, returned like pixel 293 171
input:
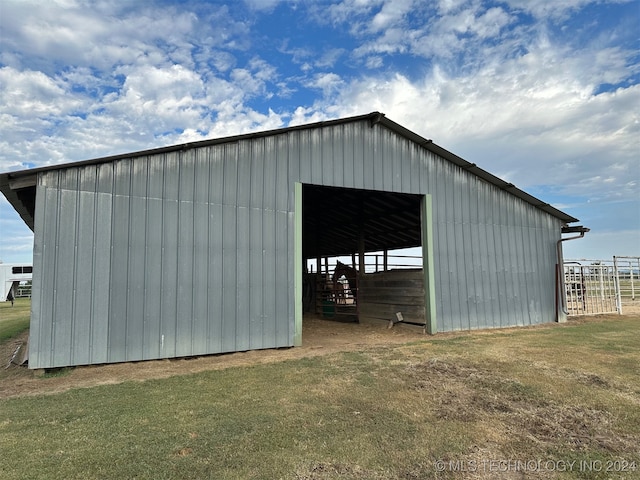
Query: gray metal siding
pixel 172 255
pixel 191 252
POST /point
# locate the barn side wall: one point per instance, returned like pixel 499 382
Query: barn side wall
pixel 162 256
pixel 192 252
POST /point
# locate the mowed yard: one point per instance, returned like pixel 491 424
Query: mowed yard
pixel 554 401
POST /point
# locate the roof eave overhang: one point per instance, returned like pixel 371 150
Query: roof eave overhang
pixel 14 189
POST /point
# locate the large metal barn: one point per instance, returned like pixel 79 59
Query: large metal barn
pixel 200 248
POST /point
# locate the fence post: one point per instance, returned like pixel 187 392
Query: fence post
pixel 617 284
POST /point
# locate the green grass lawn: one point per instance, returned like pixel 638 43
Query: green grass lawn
pixel 429 409
pixel 14 319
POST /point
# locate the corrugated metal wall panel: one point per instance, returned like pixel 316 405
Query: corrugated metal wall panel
pixel 101 273
pixel 334 154
pixel 184 281
pixel 83 278
pixel 269 280
pixel 40 339
pixel 153 280
pixel 162 253
pixel 493 258
pixel 201 242
pixel 65 266
pixel 118 283
pixel 39 318
pixel 279 177
pixel 358 159
pixel 216 275
pixel 192 252
pixel 243 281
pixel 372 156
pixel 232 251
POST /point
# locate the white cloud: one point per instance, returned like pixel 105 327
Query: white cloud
pixel 303 115
pixel 545 9
pixel 373 62
pixel 347 11
pixel 29 93
pixel 329 57
pixel 232 121
pixel 390 14
pixel 247 82
pixel 262 70
pixel 490 23
pixel 149 84
pixel 416 29
pixel 263 5
pixel 101 35
pixel 446 6
pixel 327 82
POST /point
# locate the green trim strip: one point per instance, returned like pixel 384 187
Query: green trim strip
pixel 297 275
pixel 426 212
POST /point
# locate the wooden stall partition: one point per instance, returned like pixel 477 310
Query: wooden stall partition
pixel 383 295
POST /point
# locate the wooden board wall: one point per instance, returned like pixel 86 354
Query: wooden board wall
pixel 381 295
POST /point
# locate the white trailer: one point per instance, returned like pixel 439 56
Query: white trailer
pixel 11 274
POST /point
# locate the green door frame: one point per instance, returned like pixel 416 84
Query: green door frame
pixel 426 222
pixel 297 264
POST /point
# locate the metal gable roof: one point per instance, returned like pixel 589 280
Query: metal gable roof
pixel 19 186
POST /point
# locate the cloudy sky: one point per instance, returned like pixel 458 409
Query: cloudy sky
pixel 542 93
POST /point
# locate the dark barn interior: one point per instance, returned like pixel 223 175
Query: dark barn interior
pixel 348 222
pixel 342 221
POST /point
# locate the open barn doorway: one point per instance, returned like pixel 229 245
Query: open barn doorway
pixel 363 255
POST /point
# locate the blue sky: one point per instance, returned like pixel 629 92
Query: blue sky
pixel 544 94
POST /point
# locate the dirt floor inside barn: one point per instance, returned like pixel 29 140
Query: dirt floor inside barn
pixel 320 337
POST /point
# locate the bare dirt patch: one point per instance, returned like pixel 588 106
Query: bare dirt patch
pixel 631 307
pixel 469 392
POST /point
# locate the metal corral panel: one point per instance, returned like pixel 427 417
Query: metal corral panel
pixel 191 251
